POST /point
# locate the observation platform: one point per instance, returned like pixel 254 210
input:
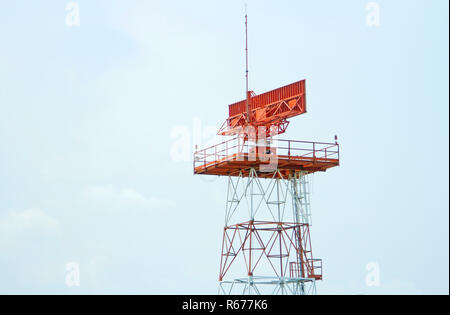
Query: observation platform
pixel 234 156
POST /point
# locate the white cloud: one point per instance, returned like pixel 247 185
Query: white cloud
pixel 28 219
pixel 108 194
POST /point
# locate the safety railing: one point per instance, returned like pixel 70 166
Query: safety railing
pixel 315 268
pixel 237 148
pixel 294 270
pixel 312 269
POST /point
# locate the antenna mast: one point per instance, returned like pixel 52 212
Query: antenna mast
pixel 247 96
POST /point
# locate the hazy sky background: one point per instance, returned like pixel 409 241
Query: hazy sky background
pixel 90 118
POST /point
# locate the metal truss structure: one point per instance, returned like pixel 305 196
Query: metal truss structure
pixel 266 247
pixel 267 224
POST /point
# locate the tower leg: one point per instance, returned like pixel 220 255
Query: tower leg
pixel 267 230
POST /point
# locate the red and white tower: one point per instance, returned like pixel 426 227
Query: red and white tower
pixel 266 247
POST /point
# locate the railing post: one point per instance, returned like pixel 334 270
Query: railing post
pixel 226 145
pixel 314 150
pixel 289 149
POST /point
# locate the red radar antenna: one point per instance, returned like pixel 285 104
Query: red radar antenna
pixel 269 110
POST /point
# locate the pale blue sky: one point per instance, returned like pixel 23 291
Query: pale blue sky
pixel 87 114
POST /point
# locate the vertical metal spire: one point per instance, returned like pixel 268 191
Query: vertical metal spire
pixel 247 96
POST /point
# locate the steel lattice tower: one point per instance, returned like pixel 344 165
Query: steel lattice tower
pixel 266 247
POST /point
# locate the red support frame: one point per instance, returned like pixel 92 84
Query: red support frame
pixel 282 246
